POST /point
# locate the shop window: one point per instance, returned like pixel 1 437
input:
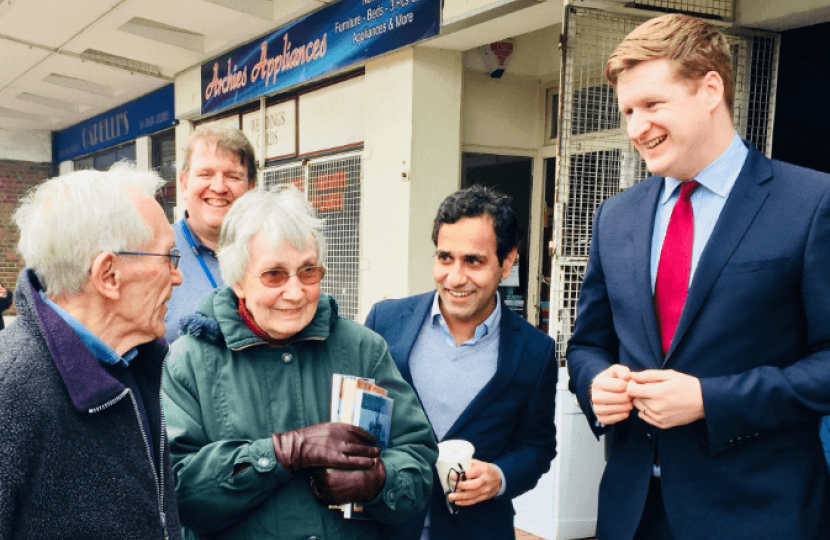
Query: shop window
pixel 593 177
pixel 547 245
pixel 85 163
pixel 595 109
pixel 491 170
pixel 125 153
pixel 103 160
pixel 551 115
pixel 332 186
pixel 164 163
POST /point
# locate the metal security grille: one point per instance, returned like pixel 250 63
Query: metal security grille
pixel 597 160
pixel 716 9
pixel 755 70
pixel 332 186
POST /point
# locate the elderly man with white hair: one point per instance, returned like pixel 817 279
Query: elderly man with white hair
pixel 247 392
pixel 81 430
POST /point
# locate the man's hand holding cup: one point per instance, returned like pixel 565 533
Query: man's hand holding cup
pixel 454 466
pixel 480 481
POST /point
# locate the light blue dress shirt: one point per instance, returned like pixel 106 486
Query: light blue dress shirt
pixel 716 182
pixel 435 353
pixel 101 350
pixel 488 327
pixel 185 298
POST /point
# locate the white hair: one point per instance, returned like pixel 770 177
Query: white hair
pixel 280 216
pixel 67 221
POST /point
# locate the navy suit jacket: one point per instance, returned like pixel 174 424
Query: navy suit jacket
pixel 755 330
pixel 510 422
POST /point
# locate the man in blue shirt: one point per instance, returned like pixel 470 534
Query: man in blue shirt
pixel 219 167
pixel 702 337
pixel 483 373
pixel 84 445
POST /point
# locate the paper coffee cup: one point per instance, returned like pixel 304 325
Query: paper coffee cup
pixel 453 454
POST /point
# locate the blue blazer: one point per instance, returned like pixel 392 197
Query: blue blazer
pixel 510 422
pixel 755 330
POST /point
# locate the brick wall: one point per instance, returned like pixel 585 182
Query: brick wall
pixel 16 178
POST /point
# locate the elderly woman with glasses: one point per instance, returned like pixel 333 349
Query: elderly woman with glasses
pixel 247 395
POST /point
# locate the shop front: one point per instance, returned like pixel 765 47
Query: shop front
pixel 379 141
pixel 140 132
pixel 301 95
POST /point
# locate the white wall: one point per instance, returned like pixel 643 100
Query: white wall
pixel 25 145
pixel 501 113
pixel 411 163
pixel 183 131
pixel 461 8
pixel 187 93
pixel 505 112
pixel 781 15
pixel 332 116
pixel 143 153
pixel 387 155
pixel 436 153
pixel 534 54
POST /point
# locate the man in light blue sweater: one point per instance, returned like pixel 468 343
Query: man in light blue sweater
pixel 219 167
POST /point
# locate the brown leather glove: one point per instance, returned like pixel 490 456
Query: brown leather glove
pixel 338 486
pixel 327 444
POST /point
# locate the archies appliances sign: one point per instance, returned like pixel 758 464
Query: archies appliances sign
pixel 334 37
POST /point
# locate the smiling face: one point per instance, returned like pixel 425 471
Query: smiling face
pixel 149 281
pixel 213 181
pixel 282 311
pixel 671 122
pixel 467 271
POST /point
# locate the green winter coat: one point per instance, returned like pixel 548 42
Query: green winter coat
pixel 226 391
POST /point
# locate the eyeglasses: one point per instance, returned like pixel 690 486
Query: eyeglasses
pixel 277 277
pixel 173 256
pixel 460 476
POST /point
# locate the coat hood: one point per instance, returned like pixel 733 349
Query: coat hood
pixel 218 321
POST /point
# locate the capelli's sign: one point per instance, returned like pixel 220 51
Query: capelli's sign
pixel 336 36
pixel 113 127
pixel 143 116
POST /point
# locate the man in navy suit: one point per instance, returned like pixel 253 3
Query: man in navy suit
pixel 482 373
pixel 702 338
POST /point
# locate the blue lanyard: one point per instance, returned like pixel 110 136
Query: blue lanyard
pixel 198 254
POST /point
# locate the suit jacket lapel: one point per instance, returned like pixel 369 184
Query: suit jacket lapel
pixel 747 196
pixel 411 319
pixel 510 353
pixel 642 231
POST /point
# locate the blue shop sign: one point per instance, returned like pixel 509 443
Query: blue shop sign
pixel 334 37
pixel 142 116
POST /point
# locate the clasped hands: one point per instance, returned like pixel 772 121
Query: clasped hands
pixel 665 398
pixel 343 465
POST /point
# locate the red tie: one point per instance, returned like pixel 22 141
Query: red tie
pixel 675 265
